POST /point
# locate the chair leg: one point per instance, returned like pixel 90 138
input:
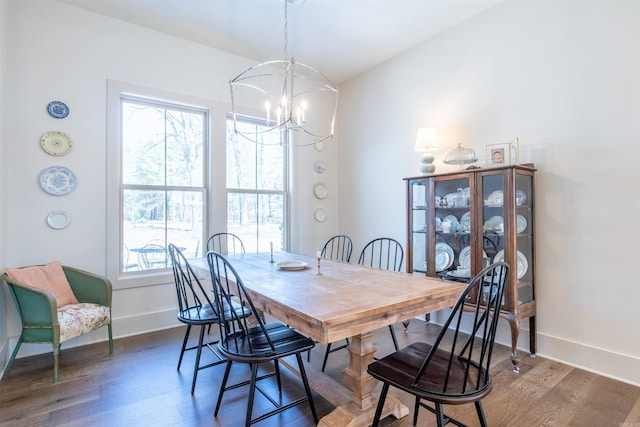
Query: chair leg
pixel 56 353
pixel 13 355
pixel 110 338
pixel 184 345
pixel 326 356
pixel 416 408
pixel 381 399
pixel 276 365
pixel 307 389
pixel 480 411
pixel 252 392
pixel 197 364
pixel 393 337
pixel 222 387
pixel 440 415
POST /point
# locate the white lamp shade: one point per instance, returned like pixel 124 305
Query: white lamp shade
pixel 426 140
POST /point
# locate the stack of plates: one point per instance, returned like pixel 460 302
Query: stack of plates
pixel 444 256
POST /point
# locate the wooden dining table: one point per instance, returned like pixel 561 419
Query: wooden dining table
pixel 329 301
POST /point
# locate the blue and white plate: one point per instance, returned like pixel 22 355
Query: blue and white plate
pixel 58 109
pixel 57 180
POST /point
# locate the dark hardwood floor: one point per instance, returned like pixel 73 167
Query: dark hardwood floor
pixel 139 385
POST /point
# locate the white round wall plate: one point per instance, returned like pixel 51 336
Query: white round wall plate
pixel 58 219
pixel 320 190
pixel 320 215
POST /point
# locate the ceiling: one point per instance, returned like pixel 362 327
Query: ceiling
pixel 341 38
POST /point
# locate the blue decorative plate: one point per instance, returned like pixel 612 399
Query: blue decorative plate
pixel 58 109
pixel 57 180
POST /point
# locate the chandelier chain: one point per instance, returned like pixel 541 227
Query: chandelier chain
pixel 286 32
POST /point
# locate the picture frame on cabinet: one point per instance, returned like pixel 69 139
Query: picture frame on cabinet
pixel 499 154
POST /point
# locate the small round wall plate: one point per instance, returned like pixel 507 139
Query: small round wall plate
pixel 58 109
pixel 319 166
pixel 56 143
pixel 320 190
pixel 57 180
pixel 320 215
pixel 58 219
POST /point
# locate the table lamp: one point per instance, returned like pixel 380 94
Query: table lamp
pixel 426 141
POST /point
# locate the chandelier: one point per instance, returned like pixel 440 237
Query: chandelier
pixel 288 96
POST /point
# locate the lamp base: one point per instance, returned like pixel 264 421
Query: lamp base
pixel 426 164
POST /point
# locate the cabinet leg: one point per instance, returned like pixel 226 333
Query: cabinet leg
pixel 515 332
pixel 532 336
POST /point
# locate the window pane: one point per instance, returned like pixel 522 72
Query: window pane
pixel 162 146
pixel 142 144
pixel 258 219
pixel 254 166
pixel 153 219
pixel 185 143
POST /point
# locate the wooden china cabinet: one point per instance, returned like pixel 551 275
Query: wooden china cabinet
pixel 459 222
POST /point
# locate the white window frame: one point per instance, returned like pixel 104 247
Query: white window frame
pixel 116 91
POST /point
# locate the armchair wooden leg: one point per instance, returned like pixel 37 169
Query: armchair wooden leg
pixel 56 353
pixel 110 338
pixel 13 355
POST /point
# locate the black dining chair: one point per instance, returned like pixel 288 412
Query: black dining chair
pixel 454 369
pixel 338 248
pixel 225 243
pixel 386 254
pixel 195 309
pixel 242 343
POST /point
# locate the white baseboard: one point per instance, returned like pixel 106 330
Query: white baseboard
pixel 617 366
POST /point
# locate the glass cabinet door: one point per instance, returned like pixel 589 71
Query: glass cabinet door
pixel 493 221
pixel 418 238
pixel 453 224
pixel 524 222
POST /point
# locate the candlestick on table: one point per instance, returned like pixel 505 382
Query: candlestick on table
pixel 271 249
pixel 319 255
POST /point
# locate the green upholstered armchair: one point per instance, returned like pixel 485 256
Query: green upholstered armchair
pixel 43 321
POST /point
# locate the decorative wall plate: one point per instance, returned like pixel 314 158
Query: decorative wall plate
pixel 320 191
pixel 320 215
pixel 57 180
pixel 58 219
pixel 58 109
pixel 319 166
pixel 56 143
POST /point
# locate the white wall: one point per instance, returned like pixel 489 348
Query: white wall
pixel 59 52
pixel 565 78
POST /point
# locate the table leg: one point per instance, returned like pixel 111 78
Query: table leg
pixel 360 409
